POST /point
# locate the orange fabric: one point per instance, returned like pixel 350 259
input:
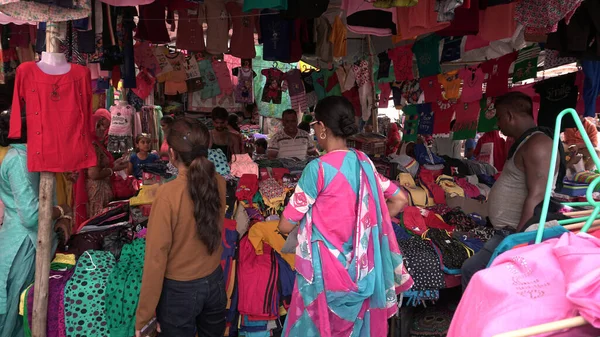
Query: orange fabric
pixel 497 22
pixel 418 20
pixel 451 83
pixel 573 136
pixel 338 38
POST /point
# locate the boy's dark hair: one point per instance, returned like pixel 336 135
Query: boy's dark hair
pixel 261 142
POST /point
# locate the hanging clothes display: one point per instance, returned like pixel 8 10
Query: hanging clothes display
pixel 190 34
pixel 365 87
pixel 311 95
pixel 466 120
pixel 363 18
pixel 427 53
pixel 472 79
pixel 54 103
pixel 217 33
pixel 152 24
pixel 444 113
pixel 419 19
pixel 243 28
pixel 296 89
pixel 556 94
pixel 451 82
pixel 338 38
pixel 119 134
pixel 210 83
pixel 497 74
pixel 223 77
pixel 324 49
pixel 272 89
pixel 175 80
pixel 275 35
pixel 526 63
pixel 403 62
pixel 244 92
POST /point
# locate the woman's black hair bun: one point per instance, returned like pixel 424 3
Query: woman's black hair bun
pixel 348 126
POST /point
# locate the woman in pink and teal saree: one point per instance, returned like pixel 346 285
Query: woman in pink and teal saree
pixel 349 267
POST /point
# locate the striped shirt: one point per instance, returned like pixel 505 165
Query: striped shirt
pixel 288 147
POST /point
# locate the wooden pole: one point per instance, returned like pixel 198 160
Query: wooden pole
pixel 44 243
pixel 568 323
pixel 373 107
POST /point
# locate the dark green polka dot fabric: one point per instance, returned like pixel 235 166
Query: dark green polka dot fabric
pixel 85 295
pixel 124 289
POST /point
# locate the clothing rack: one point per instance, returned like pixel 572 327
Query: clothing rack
pixel 590 220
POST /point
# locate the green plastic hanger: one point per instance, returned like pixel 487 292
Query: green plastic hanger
pixel 549 184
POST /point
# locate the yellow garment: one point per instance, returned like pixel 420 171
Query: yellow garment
pixel 338 38
pixel 268 233
pixel 451 83
pixel 65 259
pixel 64 190
pixel 449 186
pixel 394 3
pixel 417 195
pixel 146 195
pixel 23 300
pixel 3 151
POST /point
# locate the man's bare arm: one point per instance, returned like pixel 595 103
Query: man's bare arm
pixel 536 163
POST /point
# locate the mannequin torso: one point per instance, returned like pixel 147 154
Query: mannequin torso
pixel 54 64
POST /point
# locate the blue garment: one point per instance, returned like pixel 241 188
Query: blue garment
pixel 137 162
pixel 470 144
pixel 287 277
pixel 217 157
pixel 520 238
pixel 19 191
pixel 425 156
pixel 275 35
pixel 591 86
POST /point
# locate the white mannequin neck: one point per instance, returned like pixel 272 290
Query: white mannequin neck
pixel 54 63
pixel 123 103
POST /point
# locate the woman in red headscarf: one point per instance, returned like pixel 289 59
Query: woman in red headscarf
pixel 393 140
pixel 93 190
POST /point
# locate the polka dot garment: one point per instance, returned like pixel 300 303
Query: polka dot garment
pixel 422 264
pixel 85 295
pixel 124 289
pixel 217 157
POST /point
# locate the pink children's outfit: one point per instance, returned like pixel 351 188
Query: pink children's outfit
pixel 532 285
pixel 242 164
pixel 224 77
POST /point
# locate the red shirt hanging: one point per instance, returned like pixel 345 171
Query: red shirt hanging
pixel 59 122
pixel 497 72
